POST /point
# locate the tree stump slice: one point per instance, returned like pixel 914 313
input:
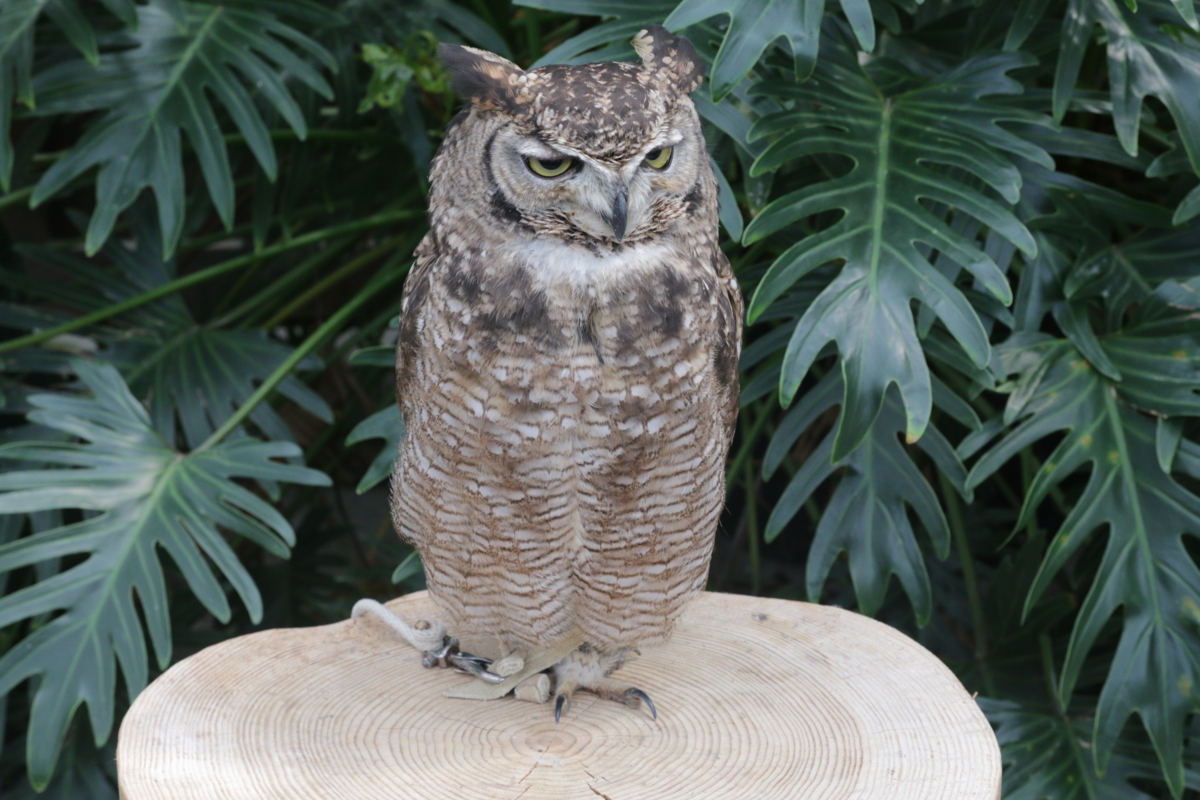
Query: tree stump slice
pixel 757 698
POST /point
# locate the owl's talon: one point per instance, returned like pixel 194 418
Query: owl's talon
pixel 636 695
pixel 469 664
pixel 561 703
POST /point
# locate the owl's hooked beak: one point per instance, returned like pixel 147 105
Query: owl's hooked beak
pixel 620 210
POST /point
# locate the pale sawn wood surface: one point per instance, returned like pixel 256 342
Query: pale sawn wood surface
pixel 758 699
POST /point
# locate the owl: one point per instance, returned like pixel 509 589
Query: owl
pixel 567 365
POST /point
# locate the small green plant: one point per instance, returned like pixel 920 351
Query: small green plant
pixel 395 69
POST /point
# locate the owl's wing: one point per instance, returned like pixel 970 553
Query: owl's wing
pixel 731 333
pixel 412 303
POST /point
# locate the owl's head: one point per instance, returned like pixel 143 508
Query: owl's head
pixel 599 154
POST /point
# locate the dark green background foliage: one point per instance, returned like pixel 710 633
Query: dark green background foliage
pixel 969 236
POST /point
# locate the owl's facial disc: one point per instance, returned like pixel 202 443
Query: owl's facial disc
pixel 563 190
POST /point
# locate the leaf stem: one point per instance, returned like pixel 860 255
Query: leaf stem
pixel 295 274
pixel 1048 673
pixel 315 339
pixel 321 286
pixel 327 134
pixel 371 328
pixel 203 275
pixel 974 598
pixel 14 197
pixel 1082 759
pixel 201 242
pixel 1029 469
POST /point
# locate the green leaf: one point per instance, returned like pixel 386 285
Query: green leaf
pixel 390 77
pixel 394 23
pixel 1025 18
pixel 1046 758
pixel 71 20
pixel 161 87
pixel 731 216
pixel 17 23
pixel 1144 58
pixel 608 40
pixel 190 373
pixel 1189 207
pixel 385 424
pixel 383 355
pixel 867 516
pixel 410 566
pixel 900 147
pixel 201 375
pixel 83 772
pixel 1159 351
pixel 149 497
pixel 469 25
pixel 1145 571
pixel 755 24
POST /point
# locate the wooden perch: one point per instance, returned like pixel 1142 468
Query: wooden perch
pixel 757 698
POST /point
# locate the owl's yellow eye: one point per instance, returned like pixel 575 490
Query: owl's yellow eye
pixel 659 158
pixel 549 167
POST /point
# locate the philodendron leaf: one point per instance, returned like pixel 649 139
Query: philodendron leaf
pixel 608 40
pixel 84 772
pixel 1189 207
pixel 386 424
pixel 1146 570
pixel 191 374
pixel 146 496
pixel 1171 162
pixel 1158 351
pixel 899 145
pixel 755 24
pixel 1093 262
pixel 867 516
pixel 1145 57
pixel 1047 757
pixel 202 375
pixel 17 22
pixel 163 85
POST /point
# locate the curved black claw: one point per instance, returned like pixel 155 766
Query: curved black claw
pixel 645 698
pixel 562 703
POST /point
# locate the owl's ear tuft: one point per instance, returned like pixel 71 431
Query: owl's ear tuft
pixel 484 78
pixel 672 57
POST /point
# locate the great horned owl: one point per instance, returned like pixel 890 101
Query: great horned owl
pixel 567 361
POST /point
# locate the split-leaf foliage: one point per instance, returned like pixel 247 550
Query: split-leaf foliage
pixel 968 232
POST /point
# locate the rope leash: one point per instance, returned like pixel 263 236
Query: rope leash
pixel 426 635
pixel 523 676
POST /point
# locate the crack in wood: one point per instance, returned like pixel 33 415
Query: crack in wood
pixel 598 793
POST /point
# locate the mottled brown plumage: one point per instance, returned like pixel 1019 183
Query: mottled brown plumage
pixel 570 393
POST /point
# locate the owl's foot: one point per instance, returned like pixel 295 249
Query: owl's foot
pixel 587 670
pixel 609 690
